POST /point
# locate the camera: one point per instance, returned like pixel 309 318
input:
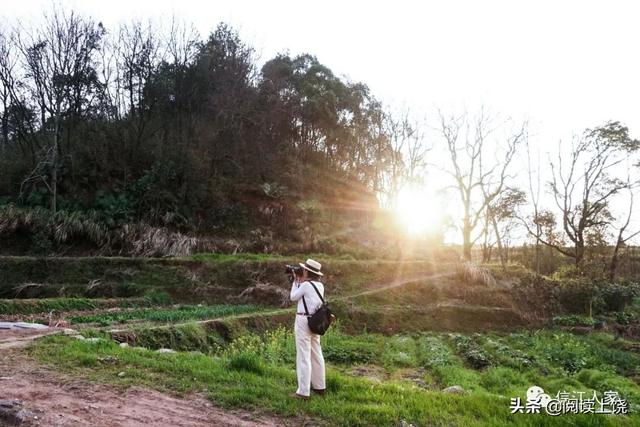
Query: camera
pixel 295 270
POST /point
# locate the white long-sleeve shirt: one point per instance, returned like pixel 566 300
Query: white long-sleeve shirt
pixel 298 290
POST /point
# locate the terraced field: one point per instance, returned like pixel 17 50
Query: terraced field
pixel 412 345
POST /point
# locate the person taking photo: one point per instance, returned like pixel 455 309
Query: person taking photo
pixel 309 360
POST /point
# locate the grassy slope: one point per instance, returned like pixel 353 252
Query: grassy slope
pixel 208 278
pixel 258 372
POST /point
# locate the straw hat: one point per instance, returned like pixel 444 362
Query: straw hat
pixel 312 266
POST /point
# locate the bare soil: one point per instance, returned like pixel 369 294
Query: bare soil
pixel 20 338
pixel 55 399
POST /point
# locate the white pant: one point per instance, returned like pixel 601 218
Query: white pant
pixel 309 360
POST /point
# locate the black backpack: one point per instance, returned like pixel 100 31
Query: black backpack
pixel 320 320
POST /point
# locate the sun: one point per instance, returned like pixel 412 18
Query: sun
pixel 419 209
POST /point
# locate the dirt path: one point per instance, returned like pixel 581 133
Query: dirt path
pixel 21 338
pixel 58 400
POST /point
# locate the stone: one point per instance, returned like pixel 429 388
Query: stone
pixel 108 360
pixel 454 389
pixel 78 337
pixel 124 345
pixel 27 325
pixel 13 413
pixel 22 325
pixel 165 350
pixel 93 339
pixel 121 374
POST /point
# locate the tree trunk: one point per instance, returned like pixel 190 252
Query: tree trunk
pixel 538 254
pixel 5 124
pixel 613 264
pixel 466 242
pixel 579 252
pixel 499 242
pixel 54 166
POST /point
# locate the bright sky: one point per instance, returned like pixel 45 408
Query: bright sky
pixel 563 65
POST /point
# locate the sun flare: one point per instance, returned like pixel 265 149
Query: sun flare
pixel 420 210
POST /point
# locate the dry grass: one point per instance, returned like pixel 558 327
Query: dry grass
pixel 473 274
pixel 18 289
pixel 13 218
pixel 136 239
pixel 62 227
pixel 66 225
pixel 144 240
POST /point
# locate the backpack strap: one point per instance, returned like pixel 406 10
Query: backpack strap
pixel 306 310
pixel 316 289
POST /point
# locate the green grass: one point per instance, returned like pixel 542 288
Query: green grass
pixel 169 315
pixel 181 337
pixel 45 305
pixel 257 372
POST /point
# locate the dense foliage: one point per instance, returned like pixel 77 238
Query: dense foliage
pixel 163 127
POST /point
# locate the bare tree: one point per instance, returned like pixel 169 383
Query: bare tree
pixel 501 214
pixel 18 121
pixel 622 239
pixel 407 151
pixel 534 197
pixel 139 53
pixel 582 187
pixel 6 68
pixel 57 59
pixel 477 181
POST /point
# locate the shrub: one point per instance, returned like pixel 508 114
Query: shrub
pixel 573 320
pixel 625 317
pixel 616 296
pixel 503 354
pixel 578 295
pixel 564 350
pixel 468 348
pixel 536 295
